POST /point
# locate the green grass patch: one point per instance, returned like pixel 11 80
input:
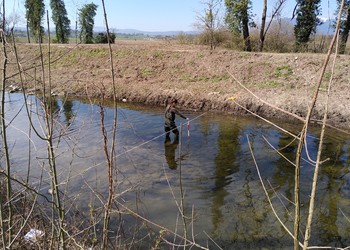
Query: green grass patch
pixel 147 72
pixel 268 84
pixel 158 55
pixel 192 63
pixel 75 56
pixel 219 78
pixel 89 53
pixel 244 55
pixel 98 52
pixel 215 78
pixel 177 55
pixel 66 60
pixel 326 76
pixel 200 55
pixel 122 53
pixel 187 78
pixel 283 71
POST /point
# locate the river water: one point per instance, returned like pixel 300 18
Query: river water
pixel 212 167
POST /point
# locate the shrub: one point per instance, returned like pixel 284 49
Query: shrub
pixel 102 38
pixel 221 37
pixel 183 38
pixel 280 38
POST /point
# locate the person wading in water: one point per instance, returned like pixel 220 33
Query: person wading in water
pixel 169 120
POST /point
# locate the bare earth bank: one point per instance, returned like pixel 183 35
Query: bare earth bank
pixel 151 71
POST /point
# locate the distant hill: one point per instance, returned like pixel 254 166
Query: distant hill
pixel 326 28
pixel 145 33
pixel 120 33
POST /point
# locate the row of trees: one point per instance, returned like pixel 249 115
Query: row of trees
pixel 238 19
pixel 35 11
pixel 344 25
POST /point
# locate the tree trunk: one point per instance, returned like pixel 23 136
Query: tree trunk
pixel 247 45
pixel 262 29
pixel 345 33
pixel 28 36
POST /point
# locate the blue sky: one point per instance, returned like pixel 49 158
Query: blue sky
pixel 151 15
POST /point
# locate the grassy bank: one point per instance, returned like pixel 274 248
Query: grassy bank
pixel 150 71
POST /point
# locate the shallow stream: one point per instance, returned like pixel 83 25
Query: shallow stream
pixel 212 166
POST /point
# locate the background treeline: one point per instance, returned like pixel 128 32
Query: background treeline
pixel 236 27
pixel 84 25
pixel 224 23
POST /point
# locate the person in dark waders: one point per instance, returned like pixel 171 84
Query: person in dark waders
pixel 169 120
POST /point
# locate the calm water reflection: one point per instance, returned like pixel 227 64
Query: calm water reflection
pixel 218 176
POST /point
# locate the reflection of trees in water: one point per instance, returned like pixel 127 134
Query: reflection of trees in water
pixel 328 214
pixel 205 127
pixel 346 157
pixel 283 175
pixel 68 111
pixel 54 108
pixel 332 172
pixel 245 216
pixel 325 228
pixel 52 105
pixel 257 216
pixel 253 209
pixel 228 146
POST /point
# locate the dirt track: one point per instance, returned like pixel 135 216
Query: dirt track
pixel 151 71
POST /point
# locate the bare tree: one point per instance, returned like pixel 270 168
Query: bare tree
pixel 209 20
pixel 3 126
pixel 262 29
pixel 276 10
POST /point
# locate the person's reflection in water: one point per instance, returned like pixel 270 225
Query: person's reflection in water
pixel 170 152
